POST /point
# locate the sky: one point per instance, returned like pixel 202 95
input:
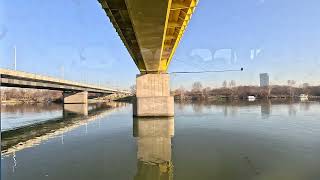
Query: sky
pixel 74 39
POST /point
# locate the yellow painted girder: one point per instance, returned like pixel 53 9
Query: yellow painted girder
pixel 184 10
pixel 150 29
pixel 179 5
pixel 129 42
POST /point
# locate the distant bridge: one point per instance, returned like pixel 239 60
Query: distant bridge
pixel 74 92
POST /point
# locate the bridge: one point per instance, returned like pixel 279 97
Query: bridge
pixel 151 31
pixel 73 92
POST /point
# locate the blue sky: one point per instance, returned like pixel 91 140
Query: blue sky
pixel 280 37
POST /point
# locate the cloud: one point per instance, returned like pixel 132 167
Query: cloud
pixel 225 54
pixel 252 54
pixel 255 53
pixel 258 51
pixel 203 54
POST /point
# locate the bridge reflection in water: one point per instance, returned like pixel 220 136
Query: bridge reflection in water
pixel 153 137
pixel 74 116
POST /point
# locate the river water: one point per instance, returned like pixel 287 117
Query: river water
pixel 225 141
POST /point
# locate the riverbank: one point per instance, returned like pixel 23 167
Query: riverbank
pixel 127 99
pixel 16 102
pixel 194 98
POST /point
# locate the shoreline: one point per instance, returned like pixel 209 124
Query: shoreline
pixel 58 101
pixel 17 102
pixel 177 99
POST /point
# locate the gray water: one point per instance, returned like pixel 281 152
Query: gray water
pixel 225 141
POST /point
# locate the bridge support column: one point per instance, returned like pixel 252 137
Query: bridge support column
pixel 75 97
pixel 153 96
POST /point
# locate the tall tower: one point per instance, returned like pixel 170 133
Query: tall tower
pixel 264 79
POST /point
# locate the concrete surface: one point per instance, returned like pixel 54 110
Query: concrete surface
pixel 153 96
pixel 11 78
pixel 154 138
pixel 75 98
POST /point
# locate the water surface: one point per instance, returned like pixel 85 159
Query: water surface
pixel 247 140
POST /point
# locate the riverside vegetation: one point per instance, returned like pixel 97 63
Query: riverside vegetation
pixel 231 92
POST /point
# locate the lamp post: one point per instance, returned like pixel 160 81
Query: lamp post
pixel 15 57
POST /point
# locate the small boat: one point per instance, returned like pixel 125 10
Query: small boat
pixel 251 98
pixel 303 97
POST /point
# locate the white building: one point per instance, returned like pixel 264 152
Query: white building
pixel 264 79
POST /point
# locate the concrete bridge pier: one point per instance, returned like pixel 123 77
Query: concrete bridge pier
pixel 153 96
pixel 75 97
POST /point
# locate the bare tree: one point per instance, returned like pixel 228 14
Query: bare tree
pixel 291 83
pixel 269 90
pixel 133 89
pixel 232 84
pixel 305 88
pixel 197 87
pixel 305 85
pixel 224 84
pixel 180 93
pixel 206 91
pixel 37 95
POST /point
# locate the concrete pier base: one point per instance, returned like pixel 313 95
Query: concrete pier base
pixel 75 97
pixel 153 96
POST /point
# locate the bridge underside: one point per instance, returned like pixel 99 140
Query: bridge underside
pixel 19 83
pixel 150 29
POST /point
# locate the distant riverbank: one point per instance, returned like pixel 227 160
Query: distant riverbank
pixel 17 101
pixel 196 98
pixel 127 99
pixel 12 96
pixel 245 92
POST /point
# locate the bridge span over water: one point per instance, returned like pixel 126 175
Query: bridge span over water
pixel 151 31
pixel 74 92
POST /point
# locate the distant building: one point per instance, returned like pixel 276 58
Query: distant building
pixel 264 79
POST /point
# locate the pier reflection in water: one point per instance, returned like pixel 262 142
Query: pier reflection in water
pixel 75 109
pixel 154 147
